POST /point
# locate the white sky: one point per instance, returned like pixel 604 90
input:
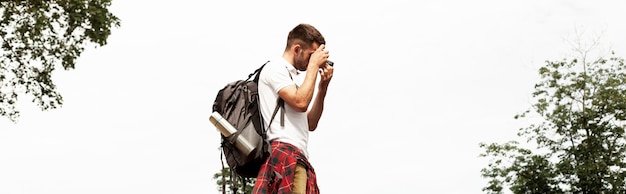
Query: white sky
pixel 418 85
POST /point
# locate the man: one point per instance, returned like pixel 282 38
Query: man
pixel 293 79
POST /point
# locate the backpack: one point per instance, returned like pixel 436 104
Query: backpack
pixel 238 103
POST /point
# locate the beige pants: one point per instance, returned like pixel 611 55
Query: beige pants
pixel 299 181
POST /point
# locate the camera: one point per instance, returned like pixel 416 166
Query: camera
pixel 330 63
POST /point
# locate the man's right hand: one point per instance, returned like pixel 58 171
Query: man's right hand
pixel 319 58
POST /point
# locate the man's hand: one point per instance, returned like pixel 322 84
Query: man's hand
pixel 326 74
pixel 318 58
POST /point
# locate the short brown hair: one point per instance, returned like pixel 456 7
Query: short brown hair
pixel 305 35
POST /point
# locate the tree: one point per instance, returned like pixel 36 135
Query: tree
pixel 580 144
pixel 38 35
pixel 241 185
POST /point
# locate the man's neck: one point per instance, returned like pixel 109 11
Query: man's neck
pixel 289 58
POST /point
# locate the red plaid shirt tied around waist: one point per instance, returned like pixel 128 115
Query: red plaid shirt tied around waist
pixel 277 174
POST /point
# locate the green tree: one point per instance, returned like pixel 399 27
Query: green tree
pixel 226 179
pixel 580 144
pixel 38 35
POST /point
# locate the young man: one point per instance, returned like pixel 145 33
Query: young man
pixel 293 78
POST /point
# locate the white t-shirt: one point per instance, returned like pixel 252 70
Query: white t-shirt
pixel 274 77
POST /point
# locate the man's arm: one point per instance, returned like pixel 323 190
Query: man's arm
pixel 299 98
pixel 314 115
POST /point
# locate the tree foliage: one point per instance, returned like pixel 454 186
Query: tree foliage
pixel 38 35
pixel 235 184
pixel 580 144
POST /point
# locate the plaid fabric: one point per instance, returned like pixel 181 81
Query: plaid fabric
pixel 277 174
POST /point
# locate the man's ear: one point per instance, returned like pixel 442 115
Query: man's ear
pixel 297 49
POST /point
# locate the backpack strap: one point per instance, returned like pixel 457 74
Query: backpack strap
pixel 223 172
pixel 257 72
pixel 280 105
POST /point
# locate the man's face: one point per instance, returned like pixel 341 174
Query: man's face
pixel 302 58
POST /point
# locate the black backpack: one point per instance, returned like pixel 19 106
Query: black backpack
pixel 238 103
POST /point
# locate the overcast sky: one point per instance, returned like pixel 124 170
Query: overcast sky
pixel 417 86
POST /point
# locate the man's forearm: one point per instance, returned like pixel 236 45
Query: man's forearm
pixel 315 113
